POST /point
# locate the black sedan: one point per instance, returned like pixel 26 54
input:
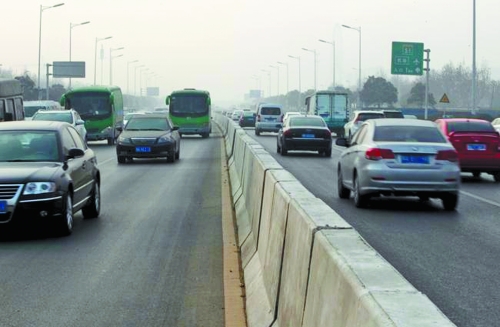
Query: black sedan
pixel 305 133
pixel 148 136
pixel 47 173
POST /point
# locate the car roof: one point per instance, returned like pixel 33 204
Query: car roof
pixel 368 111
pixel 32 125
pixel 463 120
pixel 401 122
pixel 55 111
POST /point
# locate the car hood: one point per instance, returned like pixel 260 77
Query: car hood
pixel 22 172
pixel 138 134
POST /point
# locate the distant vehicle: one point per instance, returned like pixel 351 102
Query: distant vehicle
pixel 235 115
pixel 398 157
pixel 393 113
pixel 11 100
pixel 101 107
pixel 56 174
pixel 290 113
pixel 247 119
pixel 410 117
pixel 190 110
pixel 127 117
pixel 148 136
pixel 160 110
pixel 496 124
pixel 269 118
pixel 70 116
pixel 31 107
pixel 305 133
pixel 477 143
pixel 358 118
pixel 332 107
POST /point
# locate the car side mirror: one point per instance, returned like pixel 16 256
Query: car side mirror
pixel 175 128
pixel 119 128
pixel 342 141
pixel 80 122
pixel 75 153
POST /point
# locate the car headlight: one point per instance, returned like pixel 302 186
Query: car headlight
pixel 124 140
pixel 39 188
pixel 165 139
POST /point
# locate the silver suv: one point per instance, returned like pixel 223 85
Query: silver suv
pixel 269 118
pixel 359 117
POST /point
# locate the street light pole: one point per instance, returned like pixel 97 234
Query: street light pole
pixel 333 64
pixel 140 79
pixel 474 71
pixel 300 90
pixel 95 54
pixel 71 26
pixel 358 29
pixel 128 79
pixel 42 8
pixel 278 78
pixel 285 64
pixel 269 76
pixel 314 52
pixel 135 78
pixel 111 62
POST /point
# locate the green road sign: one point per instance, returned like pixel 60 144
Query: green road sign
pixel 407 58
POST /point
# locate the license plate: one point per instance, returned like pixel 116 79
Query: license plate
pixel 415 159
pixel 3 206
pixel 271 119
pixel 143 149
pixel 476 147
pixel 308 136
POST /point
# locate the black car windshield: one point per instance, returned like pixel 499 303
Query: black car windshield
pixel 307 121
pixel 408 134
pixel 470 126
pixel 369 115
pixel 28 146
pixel 64 116
pixel 147 124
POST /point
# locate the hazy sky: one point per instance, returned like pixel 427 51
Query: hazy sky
pixel 223 45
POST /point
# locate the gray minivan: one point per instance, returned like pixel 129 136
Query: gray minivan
pixel 269 118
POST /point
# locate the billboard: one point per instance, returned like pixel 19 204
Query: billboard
pixel 153 91
pixel 255 94
pixel 70 69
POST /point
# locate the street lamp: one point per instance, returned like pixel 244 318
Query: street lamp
pixel 314 52
pixel 140 78
pixel 358 29
pixel 135 78
pixel 268 75
pixel 278 78
pixel 300 90
pixel 128 66
pixel 285 64
pixel 111 57
pixel 42 8
pixel 71 26
pixel 95 54
pixel 474 71
pixel 333 46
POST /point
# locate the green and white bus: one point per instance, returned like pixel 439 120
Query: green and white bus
pixel 101 107
pixel 190 109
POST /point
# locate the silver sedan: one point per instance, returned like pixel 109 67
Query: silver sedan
pixel 396 157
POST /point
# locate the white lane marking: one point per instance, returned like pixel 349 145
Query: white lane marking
pixel 105 161
pixel 496 204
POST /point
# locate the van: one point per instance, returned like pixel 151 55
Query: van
pixel 269 118
pixel 31 107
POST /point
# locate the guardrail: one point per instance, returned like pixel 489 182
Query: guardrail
pixel 303 264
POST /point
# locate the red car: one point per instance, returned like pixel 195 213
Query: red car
pixel 477 143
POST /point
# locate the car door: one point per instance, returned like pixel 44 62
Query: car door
pixel 77 167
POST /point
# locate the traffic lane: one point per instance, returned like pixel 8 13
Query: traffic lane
pixel 446 255
pixel 153 258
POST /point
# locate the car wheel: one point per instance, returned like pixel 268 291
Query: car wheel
pixel 450 201
pixel 496 176
pixel 121 159
pixel 278 149
pixel 111 140
pixel 284 151
pixel 178 153
pixel 66 219
pixel 476 174
pixel 257 132
pixel 344 192
pixel 93 208
pixel 171 158
pixel 205 135
pixel 360 200
pixel 328 153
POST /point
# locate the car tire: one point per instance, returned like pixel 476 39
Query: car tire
pixel 66 219
pixel 360 200
pixel 121 159
pixel 178 153
pixel 93 208
pixel 257 132
pixel 111 140
pixel 278 149
pixel 171 158
pixel 284 151
pixel 205 135
pixel 450 202
pixel 328 153
pixel 343 192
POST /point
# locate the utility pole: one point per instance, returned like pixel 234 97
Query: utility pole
pixel 427 69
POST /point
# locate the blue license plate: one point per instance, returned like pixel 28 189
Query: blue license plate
pixel 476 147
pixel 3 206
pixel 270 119
pixel 143 149
pixel 308 136
pixel 415 159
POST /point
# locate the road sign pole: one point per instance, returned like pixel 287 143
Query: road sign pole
pixel 426 103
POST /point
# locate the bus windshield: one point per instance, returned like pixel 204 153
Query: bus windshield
pixel 91 104
pixel 188 104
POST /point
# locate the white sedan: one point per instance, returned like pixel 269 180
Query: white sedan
pixel 70 116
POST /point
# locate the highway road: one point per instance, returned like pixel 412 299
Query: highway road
pixel 153 258
pixel 452 257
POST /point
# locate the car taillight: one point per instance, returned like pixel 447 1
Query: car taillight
pixel 258 117
pixel 450 155
pixel 287 133
pixel 377 154
pixel 328 134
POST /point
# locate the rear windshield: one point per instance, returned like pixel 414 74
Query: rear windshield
pixel 408 134
pixel 393 114
pixel 270 111
pixel 306 121
pixel 248 114
pixel 369 115
pixel 470 126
